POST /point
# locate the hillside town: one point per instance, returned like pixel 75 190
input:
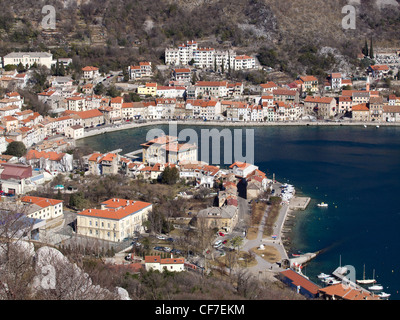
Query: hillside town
pixel 77 108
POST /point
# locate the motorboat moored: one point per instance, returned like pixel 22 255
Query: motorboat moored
pixel 376 287
pixel 383 295
pixel 322 204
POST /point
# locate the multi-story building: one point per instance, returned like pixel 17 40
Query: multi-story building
pixel 206 57
pixel 90 72
pixel 43 208
pixel 309 83
pixel 360 112
pixel 116 220
pixel 212 88
pixel 167 149
pixel 144 69
pixel 324 107
pixel 29 59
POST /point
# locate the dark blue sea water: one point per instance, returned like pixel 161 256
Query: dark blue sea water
pixel 355 170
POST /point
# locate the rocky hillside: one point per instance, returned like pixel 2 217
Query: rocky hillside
pixel 141 29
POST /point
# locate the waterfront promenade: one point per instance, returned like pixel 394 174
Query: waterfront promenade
pixel 264 267
pixel 131 125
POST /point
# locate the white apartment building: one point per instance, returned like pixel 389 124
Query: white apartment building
pixel 29 59
pixel 43 208
pixel 207 57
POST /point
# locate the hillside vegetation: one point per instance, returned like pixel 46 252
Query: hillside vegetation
pixel 287 34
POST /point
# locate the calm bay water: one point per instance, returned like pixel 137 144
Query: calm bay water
pixel 355 170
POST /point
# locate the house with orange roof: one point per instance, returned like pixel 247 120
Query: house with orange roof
pixel 242 62
pixel 267 88
pixel 378 70
pixel 144 69
pixel 43 208
pixel 360 112
pixel 211 88
pixel 90 72
pixel 103 164
pixel 11 123
pixel 345 103
pixel 204 109
pixel 169 264
pixel 75 132
pixel 89 118
pixel 324 107
pixel 167 149
pixel 149 89
pixel 182 74
pixel 309 83
pixel 116 220
pixel 242 169
pixel 49 160
pixel 391 113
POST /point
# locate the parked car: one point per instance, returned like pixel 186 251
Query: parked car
pixel 221 234
pixel 218 243
pixel 167 249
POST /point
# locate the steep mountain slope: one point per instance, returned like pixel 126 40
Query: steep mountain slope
pixel 289 28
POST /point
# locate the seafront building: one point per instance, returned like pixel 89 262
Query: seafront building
pixel 167 149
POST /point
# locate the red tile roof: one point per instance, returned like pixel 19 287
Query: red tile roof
pixel 41 202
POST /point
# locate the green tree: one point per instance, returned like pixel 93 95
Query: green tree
pixel 16 148
pixel 365 49
pixel 170 175
pixel 77 200
pixel 113 92
pixel 99 89
pixel 371 50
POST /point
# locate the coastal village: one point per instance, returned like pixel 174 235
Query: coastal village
pixel 228 197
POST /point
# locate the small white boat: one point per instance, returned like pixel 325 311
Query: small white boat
pixel 322 204
pixel 384 295
pixel 376 287
pixel 331 282
pixel 377 127
pixel 365 126
pixel 328 279
pixel 323 275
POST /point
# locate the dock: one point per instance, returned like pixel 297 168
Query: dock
pixel 134 154
pixel 299 203
pixel 340 273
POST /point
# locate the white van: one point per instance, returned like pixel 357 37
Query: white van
pixel 218 243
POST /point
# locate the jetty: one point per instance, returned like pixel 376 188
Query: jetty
pixel 134 154
pixel 299 203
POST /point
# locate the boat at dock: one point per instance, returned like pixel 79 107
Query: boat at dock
pixel 383 295
pixel 376 287
pixel 367 281
pixel 323 275
pixel 322 204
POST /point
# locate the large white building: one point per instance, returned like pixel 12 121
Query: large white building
pixel 207 57
pixel 116 220
pixel 29 59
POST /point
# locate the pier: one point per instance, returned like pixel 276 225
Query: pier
pixel 340 273
pixel 299 203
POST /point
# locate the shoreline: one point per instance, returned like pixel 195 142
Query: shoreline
pixel 134 125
